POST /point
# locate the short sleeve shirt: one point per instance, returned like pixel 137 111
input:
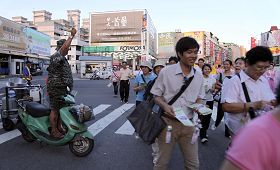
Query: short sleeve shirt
pixel 125 73
pixel 208 84
pixel 139 81
pixel 60 73
pixel 232 92
pixel 256 146
pixel 169 83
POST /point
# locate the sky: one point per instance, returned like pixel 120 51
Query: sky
pixel 230 20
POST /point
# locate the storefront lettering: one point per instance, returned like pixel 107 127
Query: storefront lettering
pixel 130 48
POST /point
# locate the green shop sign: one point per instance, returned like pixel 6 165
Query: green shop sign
pixel 97 49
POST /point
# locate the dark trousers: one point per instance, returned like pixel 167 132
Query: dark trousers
pixel 220 115
pixel 124 90
pixel 205 120
pixel 115 84
pixel 138 102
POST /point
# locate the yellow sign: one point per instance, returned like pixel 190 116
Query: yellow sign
pixel 197 35
pixel 275 50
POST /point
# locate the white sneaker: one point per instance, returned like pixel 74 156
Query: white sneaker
pixel 204 140
pixel 213 127
pixel 136 136
pixel 155 160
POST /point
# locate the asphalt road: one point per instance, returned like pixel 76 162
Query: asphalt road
pixel 115 145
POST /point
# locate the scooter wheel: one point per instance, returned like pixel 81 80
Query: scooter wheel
pixel 81 147
pixel 8 124
pixel 26 135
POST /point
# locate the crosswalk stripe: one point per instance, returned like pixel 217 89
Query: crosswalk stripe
pixel 101 124
pixel 126 129
pixel 100 109
pixel 15 133
pixel 9 135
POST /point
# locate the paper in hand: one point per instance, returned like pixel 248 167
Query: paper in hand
pixel 201 108
pixel 182 117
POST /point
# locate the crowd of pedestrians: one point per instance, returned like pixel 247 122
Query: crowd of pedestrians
pixel 240 90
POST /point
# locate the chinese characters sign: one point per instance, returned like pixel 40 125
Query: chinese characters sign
pixel 116 26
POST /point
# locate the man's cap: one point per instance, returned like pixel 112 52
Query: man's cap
pixel 124 62
pixel 159 63
pixel 146 64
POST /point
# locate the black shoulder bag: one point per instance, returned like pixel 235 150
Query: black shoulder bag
pixel 149 124
pixel 217 95
pixel 244 87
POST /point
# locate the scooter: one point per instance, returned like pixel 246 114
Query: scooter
pixel 95 76
pixel 34 124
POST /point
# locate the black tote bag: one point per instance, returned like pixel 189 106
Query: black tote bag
pixel 148 123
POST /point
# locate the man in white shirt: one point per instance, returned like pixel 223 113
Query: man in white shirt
pixel 166 86
pixel 125 74
pixel 258 60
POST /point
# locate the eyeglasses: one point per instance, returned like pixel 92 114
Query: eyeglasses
pixel 261 68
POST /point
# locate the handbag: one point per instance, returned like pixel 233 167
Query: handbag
pixel 148 123
pixel 217 95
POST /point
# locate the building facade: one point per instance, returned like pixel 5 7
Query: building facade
pixel 19 43
pixel 123 35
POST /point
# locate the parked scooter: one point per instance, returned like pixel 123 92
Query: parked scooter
pixel 34 124
pixel 95 76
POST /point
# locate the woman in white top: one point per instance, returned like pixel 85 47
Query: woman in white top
pixel 221 78
pixel 209 86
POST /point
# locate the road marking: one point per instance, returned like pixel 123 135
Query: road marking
pixel 100 109
pixel 15 133
pixel 101 124
pixel 126 129
pixel 9 135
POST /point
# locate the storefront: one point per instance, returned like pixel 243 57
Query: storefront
pixel 91 63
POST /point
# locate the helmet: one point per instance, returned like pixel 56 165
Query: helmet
pixel 146 64
pixel 159 63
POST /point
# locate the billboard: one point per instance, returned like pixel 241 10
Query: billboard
pixel 166 44
pixel 20 38
pixel 199 37
pixel 271 38
pixel 37 42
pixel 11 36
pixel 123 26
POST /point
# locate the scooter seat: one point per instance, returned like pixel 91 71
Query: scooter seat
pixel 37 110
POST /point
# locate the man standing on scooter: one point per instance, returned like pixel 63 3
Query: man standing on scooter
pixel 59 78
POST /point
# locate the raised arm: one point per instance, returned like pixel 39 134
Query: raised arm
pixel 65 47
